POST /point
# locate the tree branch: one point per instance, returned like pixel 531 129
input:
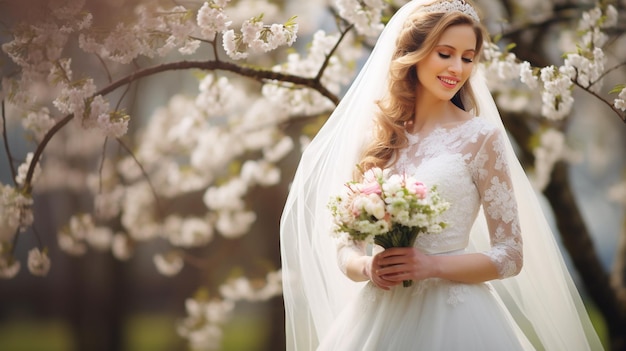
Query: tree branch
pixel 6 144
pixel 145 175
pixel 618 276
pixel 596 95
pixel 318 77
pixel 559 15
pixel 256 74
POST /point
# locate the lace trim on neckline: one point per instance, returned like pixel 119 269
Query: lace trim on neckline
pixel 439 128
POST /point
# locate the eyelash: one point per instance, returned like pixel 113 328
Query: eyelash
pixel 465 59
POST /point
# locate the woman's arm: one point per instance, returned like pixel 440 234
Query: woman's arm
pixel 503 259
pixel 357 265
pixel 408 263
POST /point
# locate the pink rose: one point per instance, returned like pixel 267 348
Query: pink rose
pixel 417 188
pixel 371 188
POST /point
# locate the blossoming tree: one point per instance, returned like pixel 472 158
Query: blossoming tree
pixel 265 81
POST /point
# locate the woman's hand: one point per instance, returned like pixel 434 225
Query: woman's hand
pixel 392 266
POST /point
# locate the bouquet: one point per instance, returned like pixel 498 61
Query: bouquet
pixel 390 210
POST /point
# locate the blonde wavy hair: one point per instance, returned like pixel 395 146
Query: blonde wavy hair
pixel 417 39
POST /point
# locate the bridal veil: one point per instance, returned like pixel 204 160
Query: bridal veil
pixel 542 299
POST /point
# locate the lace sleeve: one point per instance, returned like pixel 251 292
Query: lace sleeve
pixel 347 249
pixel 493 181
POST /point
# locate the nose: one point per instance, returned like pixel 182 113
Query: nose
pixel 456 67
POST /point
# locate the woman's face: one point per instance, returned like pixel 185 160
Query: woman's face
pixel 445 69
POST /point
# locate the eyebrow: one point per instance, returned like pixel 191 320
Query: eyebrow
pixel 453 48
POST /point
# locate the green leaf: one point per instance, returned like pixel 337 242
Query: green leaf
pixel 617 89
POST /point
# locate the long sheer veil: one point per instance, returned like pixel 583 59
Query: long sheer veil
pixel 542 299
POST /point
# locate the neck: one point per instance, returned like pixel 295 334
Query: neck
pixel 431 111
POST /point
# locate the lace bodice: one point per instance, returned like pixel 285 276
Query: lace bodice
pixel 467 164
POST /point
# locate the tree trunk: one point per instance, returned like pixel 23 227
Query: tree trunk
pixel 578 243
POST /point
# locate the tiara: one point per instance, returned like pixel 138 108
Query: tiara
pixel 452 6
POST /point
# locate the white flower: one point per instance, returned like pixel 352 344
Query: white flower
pixel 107 205
pixel 38 262
pixel 233 224
pixel 365 15
pixel 114 125
pixel 279 150
pixel 227 196
pixel 620 102
pixel 260 172
pixel 611 17
pixel 72 97
pixel 217 96
pixel 508 68
pixel 205 337
pixel 526 75
pixel 590 19
pixel 23 170
pixel 71 245
pixel 170 264
pixel 212 20
pixel 98 107
pixel 307 101
pixel 8 267
pixel 100 238
pixel 250 29
pixel 237 289
pixel 215 149
pixel 551 149
pixel 15 212
pixel 190 232
pixel 71 239
pixel 137 209
pixel 39 122
pixel 242 289
pixel 66 10
pixel 594 38
pixel 233 45
pixel 121 247
pixel 123 44
pixel 374 205
pixel 557 95
pixel 190 47
pixel 202 325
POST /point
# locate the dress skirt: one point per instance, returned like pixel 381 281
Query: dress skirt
pixel 430 315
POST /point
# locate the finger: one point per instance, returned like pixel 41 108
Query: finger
pixel 398 277
pixel 393 260
pixel 395 251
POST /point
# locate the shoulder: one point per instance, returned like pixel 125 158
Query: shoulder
pixel 480 130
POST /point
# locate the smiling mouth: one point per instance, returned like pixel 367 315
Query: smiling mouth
pixel 448 81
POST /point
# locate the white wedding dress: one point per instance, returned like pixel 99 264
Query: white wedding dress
pixel 467 163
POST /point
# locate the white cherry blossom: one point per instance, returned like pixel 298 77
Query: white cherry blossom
pixel 38 262
pixel 212 19
pixel 22 170
pixel 365 15
pixel 121 247
pixel 234 224
pixel 9 267
pixel 169 264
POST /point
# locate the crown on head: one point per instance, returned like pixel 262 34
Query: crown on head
pixel 452 6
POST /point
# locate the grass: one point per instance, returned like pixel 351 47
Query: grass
pixel 145 332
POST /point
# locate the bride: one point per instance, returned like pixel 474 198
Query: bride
pixel 494 278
